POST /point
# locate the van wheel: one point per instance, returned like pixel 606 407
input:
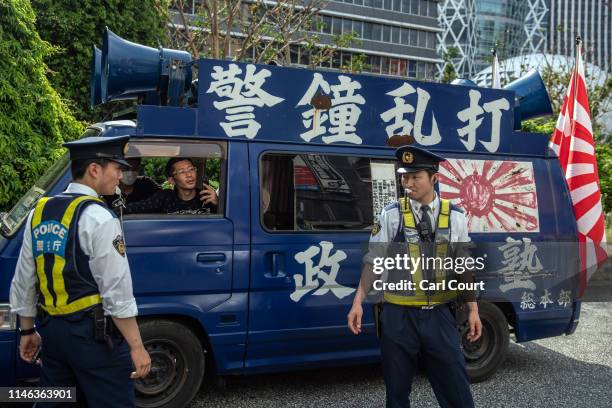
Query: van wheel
pixel 177 365
pixel 484 356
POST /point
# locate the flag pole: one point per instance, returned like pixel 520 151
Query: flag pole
pixel 494 66
pixel 575 82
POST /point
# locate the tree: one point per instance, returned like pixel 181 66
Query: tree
pixel 599 93
pixel 604 166
pixel 256 31
pixel 73 27
pixel 449 74
pixel 34 121
pixel 556 74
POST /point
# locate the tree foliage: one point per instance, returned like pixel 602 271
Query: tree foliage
pixel 604 166
pixel 257 31
pixel 34 121
pixel 603 153
pixel 599 91
pixel 448 73
pixel 556 76
pixel 74 26
pixel 599 104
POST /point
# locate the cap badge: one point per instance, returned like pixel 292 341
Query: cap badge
pixel 408 157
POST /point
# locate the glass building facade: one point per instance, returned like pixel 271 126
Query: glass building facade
pixel 474 27
pixel 592 20
pixel 374 35
pixel 500 25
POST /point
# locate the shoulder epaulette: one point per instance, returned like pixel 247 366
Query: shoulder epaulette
pixel 456 208
pixel 391 206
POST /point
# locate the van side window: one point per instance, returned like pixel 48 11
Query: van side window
pixel 315 192
pixel 182 177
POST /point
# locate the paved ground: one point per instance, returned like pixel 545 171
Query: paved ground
pixel 572 371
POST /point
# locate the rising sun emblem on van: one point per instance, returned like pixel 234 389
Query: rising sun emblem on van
pixel 497 196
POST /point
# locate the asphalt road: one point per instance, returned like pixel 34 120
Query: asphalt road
pixel 568 371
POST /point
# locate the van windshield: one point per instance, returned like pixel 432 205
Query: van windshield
pixel 10 222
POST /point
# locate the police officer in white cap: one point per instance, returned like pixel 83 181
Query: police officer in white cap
pixel 418 324
pixel 73 269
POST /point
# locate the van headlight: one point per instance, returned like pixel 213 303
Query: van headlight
pixel 7 319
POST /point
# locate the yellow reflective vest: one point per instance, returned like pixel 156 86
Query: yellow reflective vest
pixel 415 248
pixel 65 282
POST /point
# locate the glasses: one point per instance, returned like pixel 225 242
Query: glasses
pixel 183 172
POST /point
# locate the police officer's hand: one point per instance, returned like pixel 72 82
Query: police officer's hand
pixel 354 318
pixel 142 362
pixel 208 195
pixel 475 326
pixel 28 345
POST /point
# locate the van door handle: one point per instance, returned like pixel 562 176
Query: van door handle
pixel 209 257
pixel 278 266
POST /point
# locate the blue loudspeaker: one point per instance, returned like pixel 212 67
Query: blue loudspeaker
pixel 130 70
pixel 464 82
pixel 531 98
pixel 95 83
pixel 94 79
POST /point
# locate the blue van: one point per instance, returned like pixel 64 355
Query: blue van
pixel 302 165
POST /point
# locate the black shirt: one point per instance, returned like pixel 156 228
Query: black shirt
pixel 144 187
pixel 168 202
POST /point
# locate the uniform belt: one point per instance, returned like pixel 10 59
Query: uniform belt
pixel 43 317
pixel 426 307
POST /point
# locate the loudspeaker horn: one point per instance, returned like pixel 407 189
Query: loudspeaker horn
pixel 130 69
pixel 531 98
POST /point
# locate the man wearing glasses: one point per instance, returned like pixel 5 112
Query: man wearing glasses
pixel 185 198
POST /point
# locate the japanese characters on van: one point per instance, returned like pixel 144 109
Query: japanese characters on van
pixel 498 196
pixel 250 101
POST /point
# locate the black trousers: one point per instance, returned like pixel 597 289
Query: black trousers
pixel 72 358
pixel 412 334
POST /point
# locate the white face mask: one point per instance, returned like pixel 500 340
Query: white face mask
pixel 129 177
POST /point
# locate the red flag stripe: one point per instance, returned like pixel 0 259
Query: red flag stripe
pixel 572 140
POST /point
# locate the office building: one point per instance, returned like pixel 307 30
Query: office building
pixel 592 20
pixel 474 27
pixel 397 37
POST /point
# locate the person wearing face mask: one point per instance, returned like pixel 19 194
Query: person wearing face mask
pixel 133 187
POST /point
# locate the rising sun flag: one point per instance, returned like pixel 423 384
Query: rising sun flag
pixel 573 142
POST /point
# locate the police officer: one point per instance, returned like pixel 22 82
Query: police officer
pixel 73 269
pixel 418 325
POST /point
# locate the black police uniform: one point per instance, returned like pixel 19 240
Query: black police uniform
pixel 73 268
pixel 418 326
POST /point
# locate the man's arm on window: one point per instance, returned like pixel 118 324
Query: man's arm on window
pixel 153 204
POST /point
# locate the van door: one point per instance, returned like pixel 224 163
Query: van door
pixel 312 215
pixel 183 264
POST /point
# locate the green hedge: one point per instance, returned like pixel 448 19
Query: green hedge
pixel 603 153
pixel 34 121
pixel 604 166
pixel 73 26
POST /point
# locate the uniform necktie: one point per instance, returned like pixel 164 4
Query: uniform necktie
pixel 428 246
pixel 426 220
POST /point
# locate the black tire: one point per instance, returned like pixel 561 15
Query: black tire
pixel 485 355
pixel 177 365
